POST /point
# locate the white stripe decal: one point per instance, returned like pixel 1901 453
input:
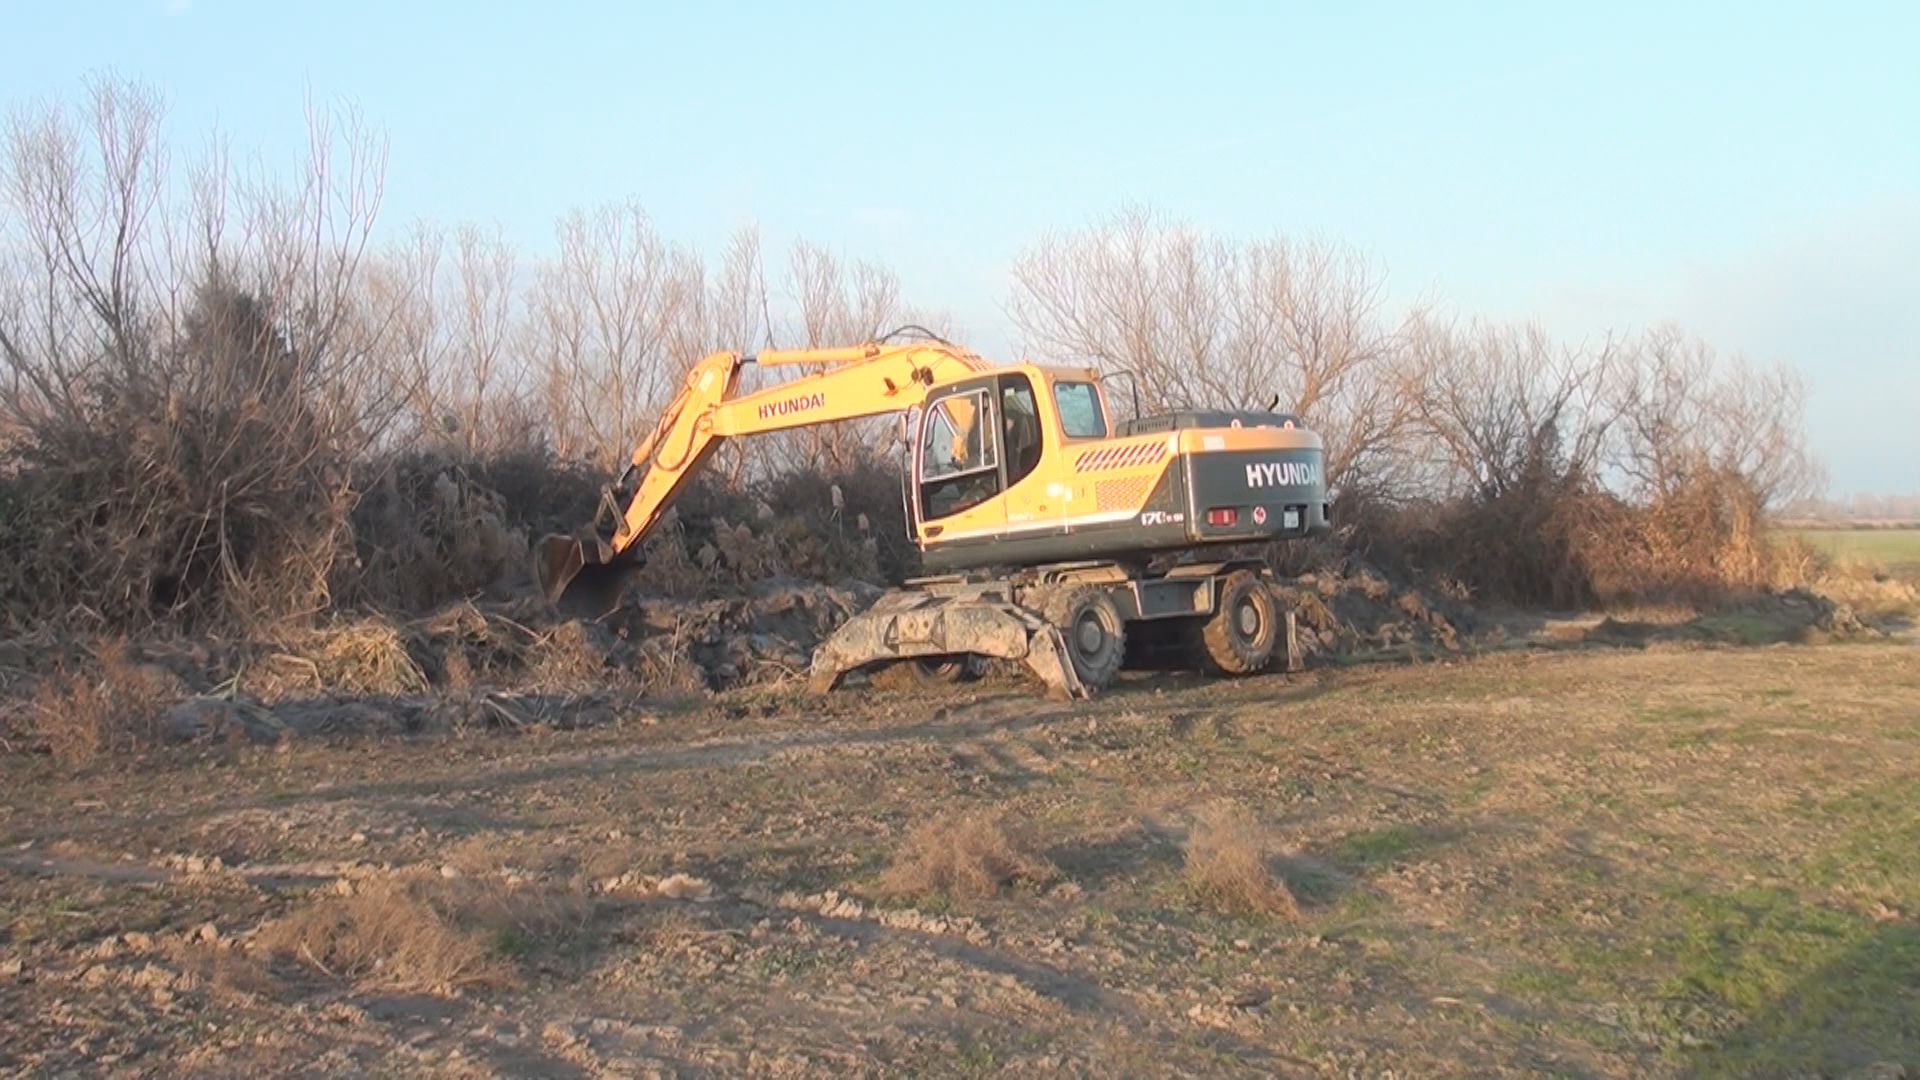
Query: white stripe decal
pixel 1002 530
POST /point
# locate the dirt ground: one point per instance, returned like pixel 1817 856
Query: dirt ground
pixel 1609 861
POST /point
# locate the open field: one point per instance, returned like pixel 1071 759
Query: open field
pixel 1896 549
pixel 1591 862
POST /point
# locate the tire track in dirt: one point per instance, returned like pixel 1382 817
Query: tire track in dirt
pixel 992 718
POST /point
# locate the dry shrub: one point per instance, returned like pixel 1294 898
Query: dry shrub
pixel 829 527
pixel 200 481
pixel 389 933
pixel 1559 540
pixel 1226 867
pixel 1705 539
pixel 106 705
pixel 1871 591
pixel 365 656
pixel 540 491
pixel 432 526
pixel 427 530
pixel 854 523
pixel 427 932
pixel 968 855
pixel 669 568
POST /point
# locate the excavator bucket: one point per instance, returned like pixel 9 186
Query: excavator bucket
pixel 912 626
pixel 583 578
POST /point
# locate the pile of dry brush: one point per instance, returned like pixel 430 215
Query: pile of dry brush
pixel 1566 542
pixel 225 484
pixel 220 485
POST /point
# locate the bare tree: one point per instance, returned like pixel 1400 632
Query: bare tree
pixel 739 309
pixel 1505 406
pixel 183 400
pixel 1685 410
pixel 79 201
pixel 833 304
pixel 613 322
pixel 1205 322
pixel 450 344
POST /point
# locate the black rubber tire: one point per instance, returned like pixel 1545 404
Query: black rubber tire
pixel 1240 636
pixel 1095 634
pixel 944 671
pixel 937 671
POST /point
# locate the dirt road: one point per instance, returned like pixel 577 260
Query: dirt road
pixel 1587 863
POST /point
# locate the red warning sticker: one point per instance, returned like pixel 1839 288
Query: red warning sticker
pixel 1259 515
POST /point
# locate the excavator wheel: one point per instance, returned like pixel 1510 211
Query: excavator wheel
pixel 933 671
pixel 1094 632
pixel 1241 634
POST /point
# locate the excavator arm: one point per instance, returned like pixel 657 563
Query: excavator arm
pixel 585 570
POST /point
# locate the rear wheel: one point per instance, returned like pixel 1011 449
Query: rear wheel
pixel 1095 634
pixel 932 671
pixel 1239 637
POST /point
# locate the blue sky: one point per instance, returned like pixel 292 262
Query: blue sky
pixel 1749 171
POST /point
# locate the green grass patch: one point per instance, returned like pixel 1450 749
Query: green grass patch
pixel 1378 847
pixel 1681 714
pixel 1747 948
pixel 1896 549
pixel 1881 848
pixel 1538 982
pixel 1767 981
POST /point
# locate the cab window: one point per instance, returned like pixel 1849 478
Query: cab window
pixel 959 457
pixel 1080 413
pixel 1022 423
pixel 955 442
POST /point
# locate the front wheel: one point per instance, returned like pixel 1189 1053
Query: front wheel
pixel 1240 636
pixel 1094 632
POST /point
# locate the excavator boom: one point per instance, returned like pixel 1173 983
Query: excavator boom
pixel 586 571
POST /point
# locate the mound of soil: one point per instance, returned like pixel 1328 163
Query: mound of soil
pixel 1358 610
pixel 1792 616
pixel 512 664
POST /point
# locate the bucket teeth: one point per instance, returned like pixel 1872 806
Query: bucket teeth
pixel 907 626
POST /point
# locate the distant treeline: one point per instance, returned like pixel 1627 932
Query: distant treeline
pixel 1868 511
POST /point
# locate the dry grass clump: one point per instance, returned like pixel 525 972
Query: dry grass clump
pixel 105 705
pixel 464 645
pixel 427 932
pixel 664 667
pixel 568 658
pixel 969 855
pixel 388 933
pixel 1869 590
pixel 1226 867
pixel 363 656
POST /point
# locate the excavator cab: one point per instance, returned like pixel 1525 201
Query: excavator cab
pixel 973 442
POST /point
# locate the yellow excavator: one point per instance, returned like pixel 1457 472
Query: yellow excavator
pixel 1053 532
